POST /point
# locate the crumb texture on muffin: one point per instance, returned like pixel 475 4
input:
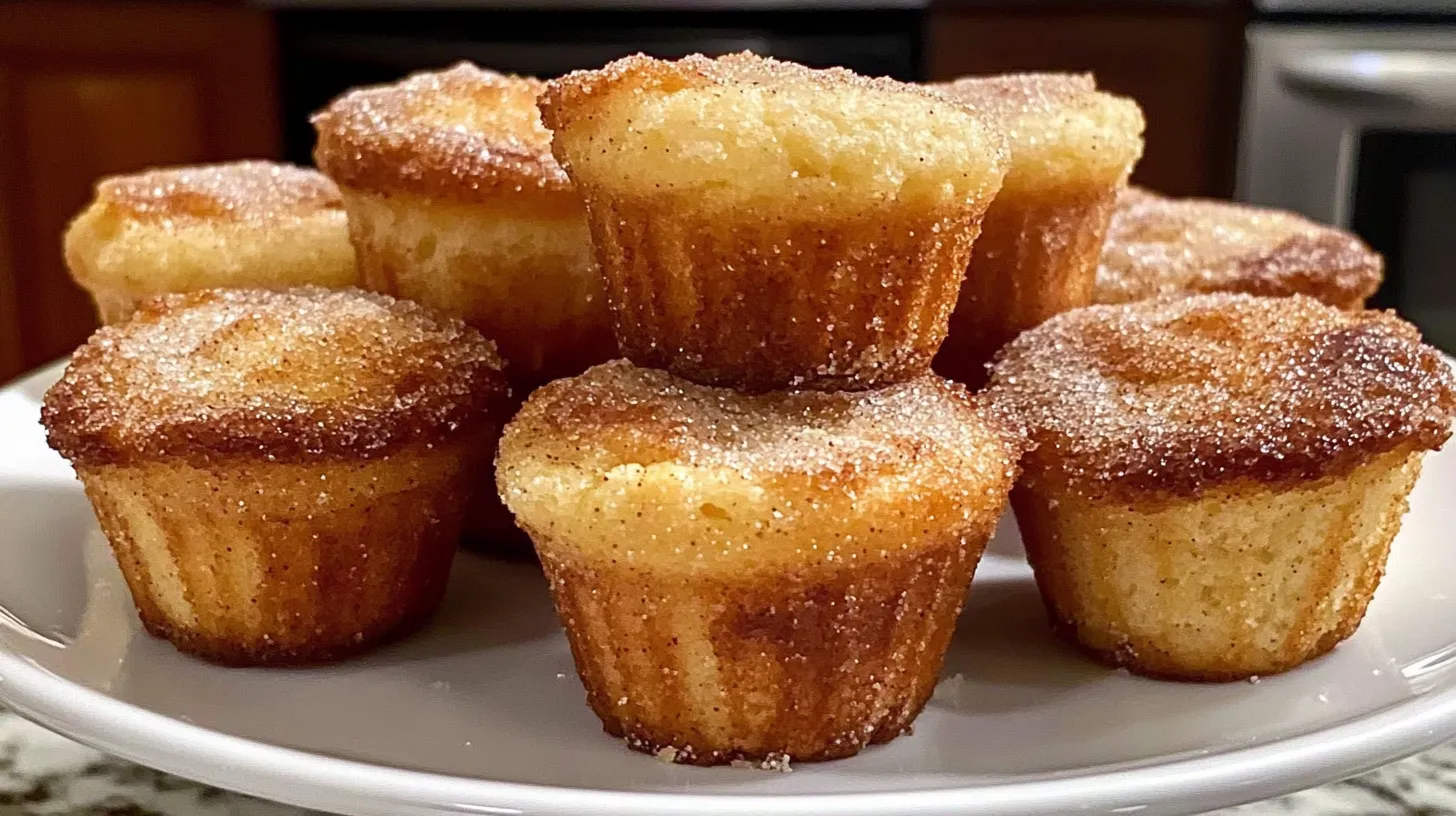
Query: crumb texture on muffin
pixel 465 134
pixel 1061 131
pixel 1175 395
pixel 1159 246
pixel 243 224
pixel 611 460
pixel 301 373
pixel 747 130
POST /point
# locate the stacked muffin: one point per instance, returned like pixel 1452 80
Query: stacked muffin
pixel 760 530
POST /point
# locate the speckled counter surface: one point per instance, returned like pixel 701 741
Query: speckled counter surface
pixel 42 773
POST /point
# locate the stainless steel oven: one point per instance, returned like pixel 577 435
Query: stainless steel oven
pixel 1353 122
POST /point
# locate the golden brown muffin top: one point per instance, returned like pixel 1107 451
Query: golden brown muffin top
pixel 743 130
pixel 1062 131
pixel 297 374
pixel 1158 246
pixel 463 134
pixel 251 192
pixel 625 414
pixel 634 463
pixel 1176 395
pixel 1008 97
pixel 574 95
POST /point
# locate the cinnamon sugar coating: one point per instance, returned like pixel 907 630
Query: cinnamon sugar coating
pixel 464 134
pixel 581 93
pixel 740 128
pixel 293 375
pixel 760 481
pixel 247 191
pixel 1011 96
pixel 762 225
pixel 249 224
pixel 1072 147
pixel 1060 129
pixel 755 578
pixel 1158 245
pixel 1177 395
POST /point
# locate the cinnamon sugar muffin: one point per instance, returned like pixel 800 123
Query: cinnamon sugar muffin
pixel 250 224
pixel 455 201
pixel 763 225
pixel 759 578
pixel 1162 246
pixel 1217 479
pixel 282 475
pixel 1072 147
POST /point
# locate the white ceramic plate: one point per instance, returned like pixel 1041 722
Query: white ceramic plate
pixel 482 713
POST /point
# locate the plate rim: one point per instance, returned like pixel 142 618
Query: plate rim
pixel 1193 783
pixel 325 782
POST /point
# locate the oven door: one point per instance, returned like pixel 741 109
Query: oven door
pixel 1356 126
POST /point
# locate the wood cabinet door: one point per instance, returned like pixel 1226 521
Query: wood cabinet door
pixel 93 88
pixel 1183 65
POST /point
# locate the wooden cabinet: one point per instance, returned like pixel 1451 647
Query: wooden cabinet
pixel 1183 63
pixel 93 88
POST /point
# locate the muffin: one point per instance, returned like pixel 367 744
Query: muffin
pixel 1164 246
pixel 1072 147
pixel 282 475
pixel 763 225
pixel 456 202
pixel 250 224
pixel 755 578
pixel 1217 479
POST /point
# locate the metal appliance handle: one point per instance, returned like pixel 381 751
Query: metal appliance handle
pixel 1424 79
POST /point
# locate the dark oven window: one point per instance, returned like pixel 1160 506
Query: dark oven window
pixel 327 52
pixel 1405 199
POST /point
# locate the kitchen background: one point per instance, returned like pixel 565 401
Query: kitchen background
pixel 1342 109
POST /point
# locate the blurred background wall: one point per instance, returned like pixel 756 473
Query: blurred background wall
pixel 93 87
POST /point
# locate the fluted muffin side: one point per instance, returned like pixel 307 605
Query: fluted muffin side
pixel 778 304
pixel 250 563
pixel 1240 582
pixel 1036 257
pixel 807 664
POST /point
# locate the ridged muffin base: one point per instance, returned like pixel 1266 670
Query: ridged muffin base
pixel 1240 582
pixel 803 664
pixel 271 563
pixel 767 304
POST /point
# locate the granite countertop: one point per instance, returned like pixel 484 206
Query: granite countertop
pixel 42 773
